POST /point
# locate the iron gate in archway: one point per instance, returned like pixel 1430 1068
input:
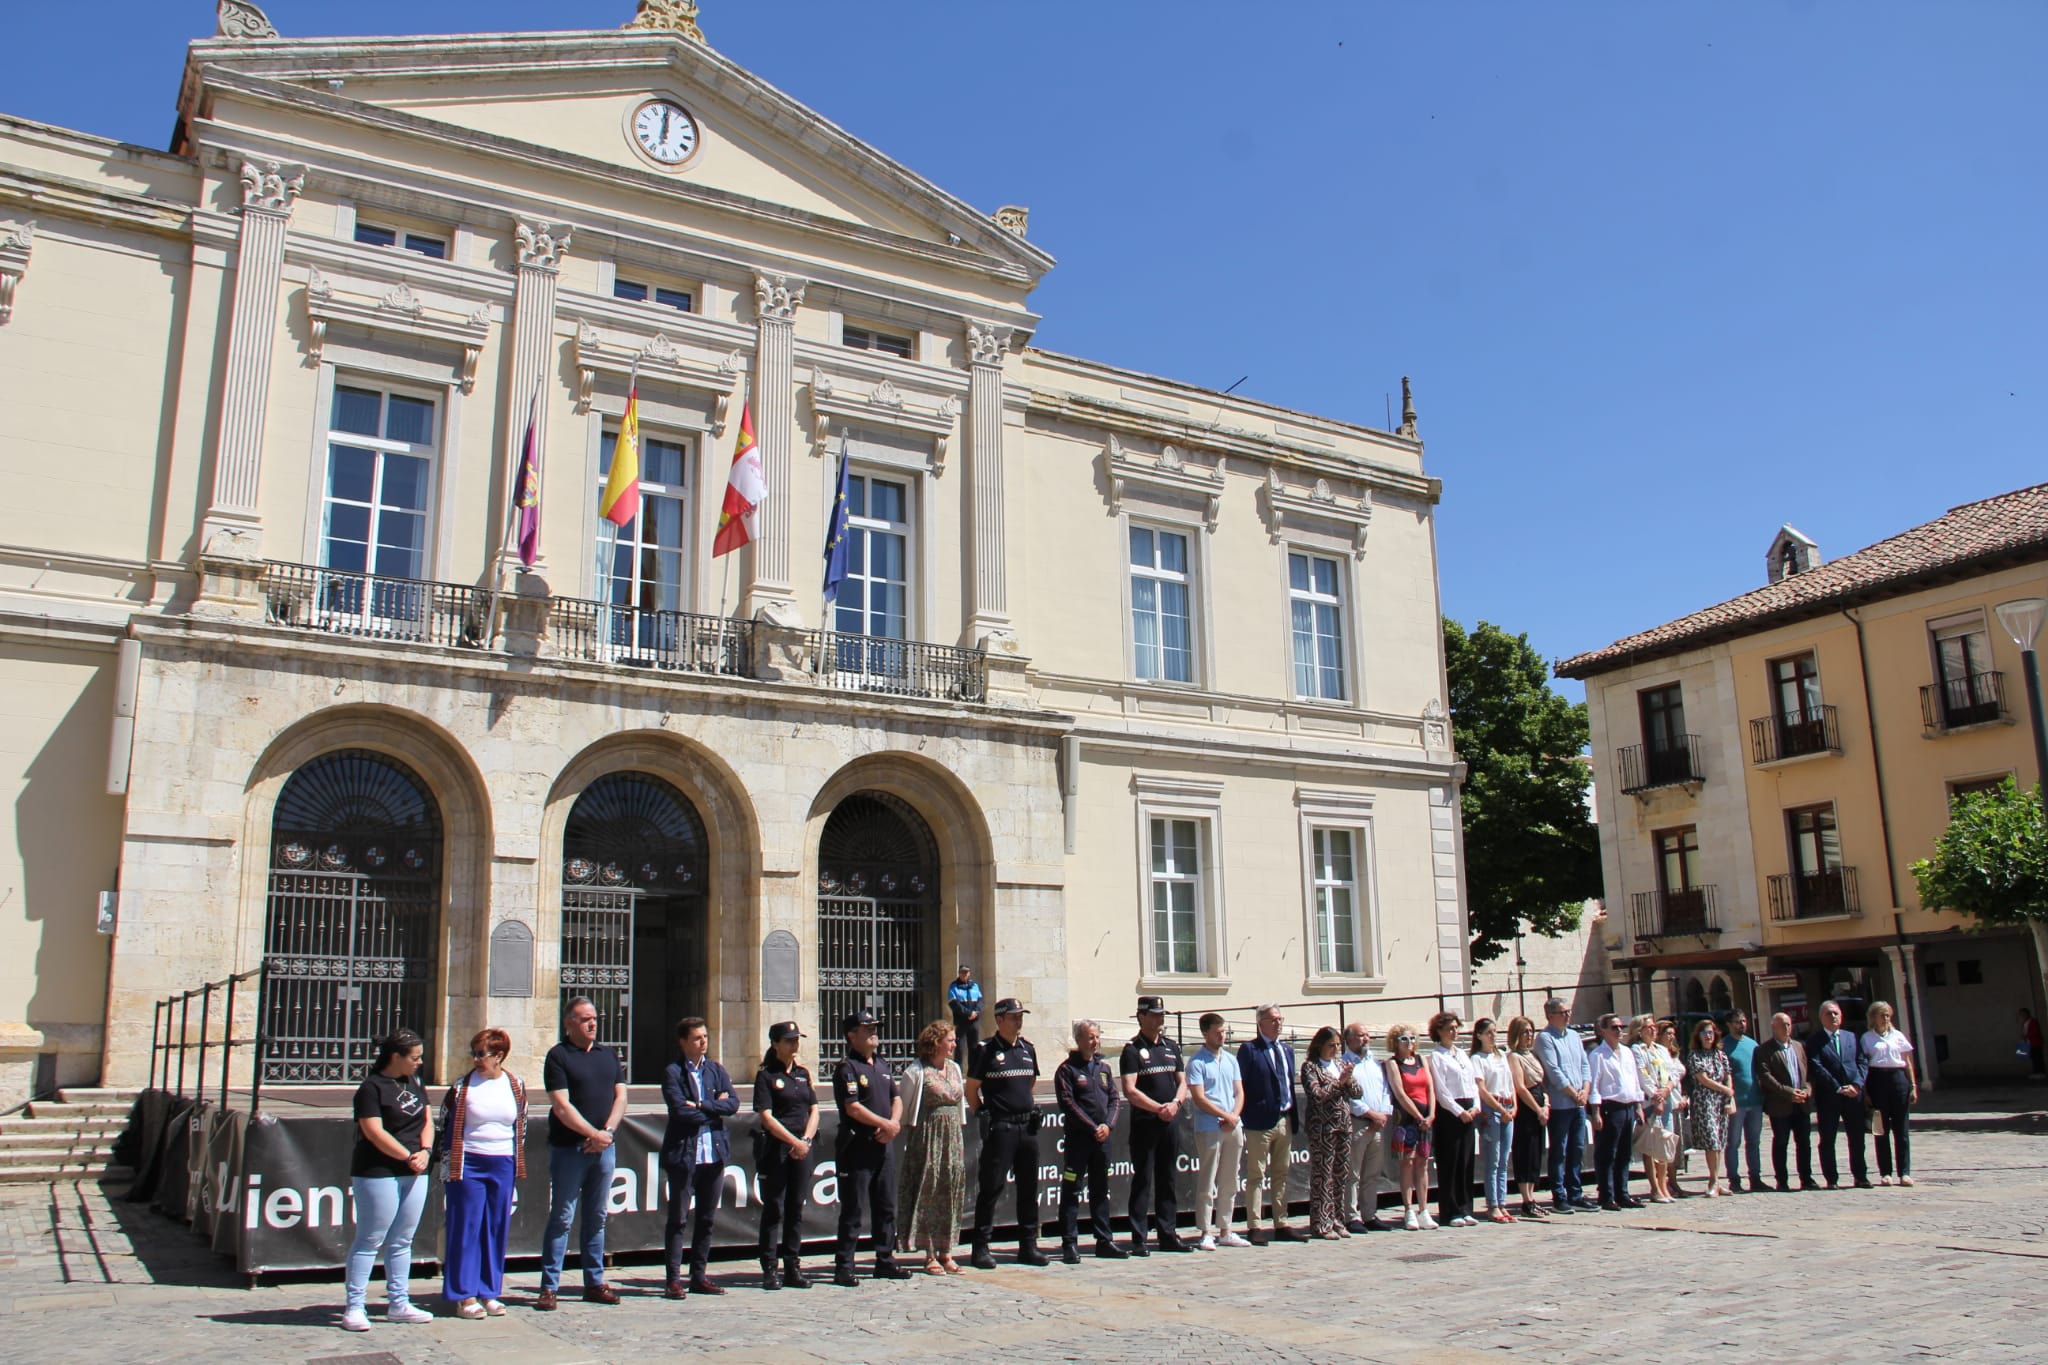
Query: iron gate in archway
pixel 878 901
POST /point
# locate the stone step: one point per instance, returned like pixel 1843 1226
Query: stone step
pixel 100 1124
pixel 47 1109
pixel 125 1096
pixel 56 1141
pixel 48 1173
pixel 50 1156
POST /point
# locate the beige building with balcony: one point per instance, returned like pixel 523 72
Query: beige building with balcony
pixel 1770 768
pixel 278 683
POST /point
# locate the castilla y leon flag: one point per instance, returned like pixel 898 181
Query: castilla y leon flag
pixel 526 490
pixel 744 491
pixel 621 501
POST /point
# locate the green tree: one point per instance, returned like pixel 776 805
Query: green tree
pixel 1991 863
pixel 1532 852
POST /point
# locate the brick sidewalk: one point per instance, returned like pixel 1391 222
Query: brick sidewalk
pixel 83 1279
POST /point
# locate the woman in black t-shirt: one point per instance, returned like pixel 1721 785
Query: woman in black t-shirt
pixel 394 1133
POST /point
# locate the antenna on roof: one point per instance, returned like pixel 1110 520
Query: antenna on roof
pixel 1240 379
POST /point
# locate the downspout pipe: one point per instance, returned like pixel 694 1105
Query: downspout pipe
pixel 1884 818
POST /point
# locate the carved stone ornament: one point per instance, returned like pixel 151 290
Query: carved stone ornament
pixel 1436 728
pixel 1320 506
pixel 886 395
pixel 395 309
pixel 1014 219
pixel 777 297
pixel 1168 477
pixel 1169 459
pixel 271 185
pixel 243 22
pixel 949 408
pixel 542 244
pixel 17 239
pixel 986 342
pixel 1407 427
pixel 399 298
pixel 668 16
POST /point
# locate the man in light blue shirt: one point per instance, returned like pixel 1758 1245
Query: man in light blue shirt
pixel 1566 1081
pixel 1365 1172
pixel 1216 1093
pixel 1746 1124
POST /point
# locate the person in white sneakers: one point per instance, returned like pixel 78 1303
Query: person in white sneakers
pixel 1408 1081
pixel 388 1171
pixel 1216 1091
pixel 1372 1119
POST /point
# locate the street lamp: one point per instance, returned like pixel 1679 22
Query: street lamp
pixel 2022 619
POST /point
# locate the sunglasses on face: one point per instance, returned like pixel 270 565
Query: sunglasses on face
pixel 1404 1037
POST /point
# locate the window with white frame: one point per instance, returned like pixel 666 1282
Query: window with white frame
pixel 380 465
pixel 370 234
pixel 1335 858
pixel 1176 882
pixel 874 598
pixel 640 565
pixel 635 292
pixel 1315 598
pixel 1162 621
pixel 864 338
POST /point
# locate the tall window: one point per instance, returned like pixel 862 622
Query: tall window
pixel 380 456
pixel 1176 896
pixel 1162 631
pixel 1816 845
pixel 641 563
pixel 1339 943
pixel 875 597
pixel 1665 757
pixel 1795 688
pixel 1678 860
pixel 1315 599
pixel 1962 656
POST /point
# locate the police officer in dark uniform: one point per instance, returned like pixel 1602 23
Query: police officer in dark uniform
pixel 787 1107
pixel 1156 1085
pixel 1089 1101
pixel 1000 1076
pixel 870 1117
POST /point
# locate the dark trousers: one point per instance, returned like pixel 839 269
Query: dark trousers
pixel 1794 1126
pixel 691 1185
pixel 1613 1145
pixel 784 1181
pixel 1847 1115
pixel 1085 1160
pixel 1567 1154
pixel 1890 1092
pixel 1009 1150
pixel 1154 1147
pixel 867 1175
pixel 1452 1142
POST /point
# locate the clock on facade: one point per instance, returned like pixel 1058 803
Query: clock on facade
pixel 665 131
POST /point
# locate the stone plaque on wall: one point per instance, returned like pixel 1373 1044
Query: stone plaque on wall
pixel 512 959
pixel 781 966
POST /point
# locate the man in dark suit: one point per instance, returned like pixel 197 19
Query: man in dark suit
pixel 694 1151
pixel 1785 1075
pixel 1839 1069
pixel 1267 1066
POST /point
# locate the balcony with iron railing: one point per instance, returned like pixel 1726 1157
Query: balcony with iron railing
pixel 1665 914
pixel 1959 703
pixel 639 637
pixel 1815 895
pixel 1645 767
pixel 897 668
pixel 376 607
pixel 1793 735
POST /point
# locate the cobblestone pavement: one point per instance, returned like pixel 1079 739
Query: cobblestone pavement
pixel 1943 1271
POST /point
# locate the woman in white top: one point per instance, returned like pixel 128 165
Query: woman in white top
pixel 1496 1118
pixel 484 1118
pixel 1678 1105
pixel 1457 1118
pixel 1892 1091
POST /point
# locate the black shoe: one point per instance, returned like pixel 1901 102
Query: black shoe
pixel 981 1260
pixel 1031 1256
pixel 793 1274
pixel 701 1285
pixel 1138 1247
pixel 1806 1185
pixel 1831 1184
pixel 1070 1253
pixel 1610 1206
pixel 770 1277
pixel 1864 1184
pixel 1585 1204
pixel 1757 1187
pixel 1289 1234
pixel 1784 1187
pixel 1173 1244
pixel 1565 1210
pixel 1631 1202
pixel 845 1278
pixel 1258 1237
pixel 1358 1226
pixel 1110 1251
pixel 1735 1187
pixel 889 1270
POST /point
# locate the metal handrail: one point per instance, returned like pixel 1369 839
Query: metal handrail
pixel 1814 895
pixel 897 668
pixel 376 606
pixel 1644 768
pixel 604 632
pixel 1953 703
pixel 1795 734
pixel 174 1012
pixel 1661 914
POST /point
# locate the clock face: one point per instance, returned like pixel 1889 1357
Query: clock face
pixel 665 131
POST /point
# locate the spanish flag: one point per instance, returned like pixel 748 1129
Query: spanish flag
pixel 621 500
pixel 745 489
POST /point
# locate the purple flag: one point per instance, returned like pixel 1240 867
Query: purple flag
pixel 526 490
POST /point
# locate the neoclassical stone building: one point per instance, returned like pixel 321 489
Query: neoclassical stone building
pixel 1132 686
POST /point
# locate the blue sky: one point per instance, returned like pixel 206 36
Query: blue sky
pixel 1666 275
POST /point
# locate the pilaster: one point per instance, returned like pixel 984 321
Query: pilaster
pixel 773 392
pixel 269 191
pixel 17 240
pixel 989 607
pixel 1905 964
pixel 541 246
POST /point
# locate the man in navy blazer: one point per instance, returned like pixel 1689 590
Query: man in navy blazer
pixel 694 1150
pixel 1271 1115
pixel 1839 1070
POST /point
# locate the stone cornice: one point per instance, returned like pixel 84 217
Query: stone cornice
pixel 52 196
pixel 1321 503
pixel 881 404
pixel 658 357
pixel 1166 473
pixel 396 309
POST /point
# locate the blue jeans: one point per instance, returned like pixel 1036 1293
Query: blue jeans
pixel 1746 1132
pixel 387 1211
pixel 1496 1145
pixel 1567 1154
pixel 479 1212
pixel 576 1178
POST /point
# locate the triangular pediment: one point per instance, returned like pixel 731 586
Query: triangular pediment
pixel 575 95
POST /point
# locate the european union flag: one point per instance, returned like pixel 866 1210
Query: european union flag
pixel 836 532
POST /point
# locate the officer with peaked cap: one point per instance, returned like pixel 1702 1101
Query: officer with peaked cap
pixel 1000 1077
pixel 870 1117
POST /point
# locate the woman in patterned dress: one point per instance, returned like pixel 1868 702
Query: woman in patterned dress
pixel 1712 1087
pixel 1327 1083
pixel 933 1176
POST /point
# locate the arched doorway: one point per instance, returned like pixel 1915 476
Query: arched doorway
pixel 635 914
pixel 1719 1000
pixel 352 916
pixel 878 931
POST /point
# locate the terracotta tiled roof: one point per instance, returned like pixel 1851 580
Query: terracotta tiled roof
pixel 2010 525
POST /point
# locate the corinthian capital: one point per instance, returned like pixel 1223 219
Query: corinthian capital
pixel 986 342
pixel 271 186
pixel 777 296
pixel 542 243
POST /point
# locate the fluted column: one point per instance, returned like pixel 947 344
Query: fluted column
pixel 541 245
pixel 233 527
pixel 773 393
pixel 989 607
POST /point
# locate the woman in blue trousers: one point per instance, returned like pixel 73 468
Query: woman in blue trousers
pixel 484 1117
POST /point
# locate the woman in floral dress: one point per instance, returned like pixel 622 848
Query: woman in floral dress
pixel 1712 1086
pixel 1327 1083
pixel 933 1176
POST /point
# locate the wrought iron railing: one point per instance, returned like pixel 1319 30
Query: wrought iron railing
pixel 1796 734
pixel 1644 767
pixel 1952 703
pixel 371 606
pixel 1659 914
pixel 899 668
pixel 644 638
pixel 1815 895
